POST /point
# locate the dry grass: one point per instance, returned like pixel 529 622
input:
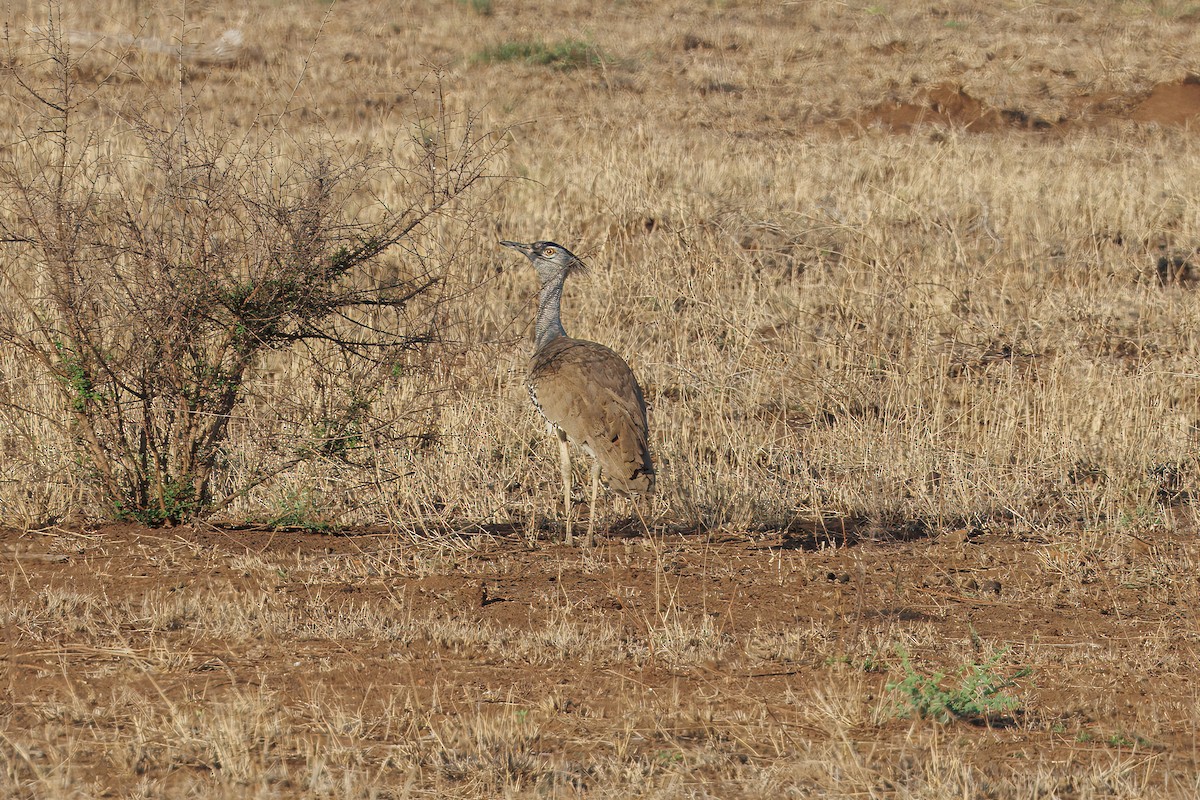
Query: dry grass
pixel 937 334
pixel 930 327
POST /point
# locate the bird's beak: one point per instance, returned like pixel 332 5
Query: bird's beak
pixel 524 248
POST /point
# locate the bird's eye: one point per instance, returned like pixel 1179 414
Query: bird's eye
pixel 549 252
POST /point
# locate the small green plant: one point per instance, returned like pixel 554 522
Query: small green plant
pixel 1144 516
pixel 1117 739
pixel 481 7
pixel 978 694
pixel 565 54
pixel 299 511
pixel 175 501
pixel 1123 739
pixel 75 378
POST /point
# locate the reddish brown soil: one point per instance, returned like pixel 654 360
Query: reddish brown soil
pixel 1175 103
pixel 947 105
pixel 944 589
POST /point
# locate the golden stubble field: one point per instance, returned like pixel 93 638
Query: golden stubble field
pixel 910 289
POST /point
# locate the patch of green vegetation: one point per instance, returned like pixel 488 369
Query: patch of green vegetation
pixel 1131 740
pixel 298 510
pixel 76 378
pixel 1119 739
pixel 481 7
pixel 565 54
pixel 1142 518
pixel 177 503
pixel 978 693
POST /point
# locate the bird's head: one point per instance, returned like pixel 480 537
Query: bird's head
pixel 551 260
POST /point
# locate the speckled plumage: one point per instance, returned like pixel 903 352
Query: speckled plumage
pixel 589 392
pixel 585 391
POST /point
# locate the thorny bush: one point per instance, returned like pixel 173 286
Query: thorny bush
pixel 153 265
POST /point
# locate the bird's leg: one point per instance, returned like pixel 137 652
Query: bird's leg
pixel 565 463
pixel 591 542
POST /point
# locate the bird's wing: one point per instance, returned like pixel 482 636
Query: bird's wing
pixel 589 391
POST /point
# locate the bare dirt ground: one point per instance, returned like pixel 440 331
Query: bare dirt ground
pixel 948 104
pixel 207 661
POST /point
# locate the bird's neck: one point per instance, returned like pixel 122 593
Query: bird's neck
pixel 549 318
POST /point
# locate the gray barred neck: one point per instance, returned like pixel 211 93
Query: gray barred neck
pixel 549 317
